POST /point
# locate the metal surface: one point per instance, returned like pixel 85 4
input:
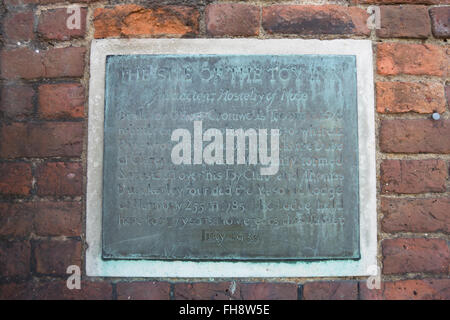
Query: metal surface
pixel 155 209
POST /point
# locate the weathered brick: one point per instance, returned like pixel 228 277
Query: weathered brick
pixel 447 94
pixel 207 291
pixel 402 1
pixel 426 289
pixel 413 176
pixel 42 2
pixel 404 22
pixel 16 291
pixel 57 290
pixel 144 290
pixel 269 291
pixel 371 294
pixel 232 19
pixel 415 136
pixel 440 21
pixel 16 101
pixel 330 290
pixel 133 20
pixel 57 218
pixel 44 218
pixel 21 63
pixel 398 97
pixel 15 178
pixel 53 24
pixel 415 59
pixel 415 255
pixel 416 215
pixel 52 139
pixel 28 64
pixel 58 101
pixel 19 26
pixel 315 20
pixel 16 219
pixel 59 179
pixel 53 256
pixel 14 258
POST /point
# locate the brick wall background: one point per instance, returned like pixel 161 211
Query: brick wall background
pixel 43 112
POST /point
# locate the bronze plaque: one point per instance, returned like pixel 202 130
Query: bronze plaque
pixel 231 157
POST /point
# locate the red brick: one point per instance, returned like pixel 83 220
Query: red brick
pixel 415 255
pixel 426 289
pixel 415 59
pixel 21 63
pixel 16 219
pixel 15 258
pixel 51 139
pixel 440 21
pixel 19 26
pixel 57 290
pixel 330 290
pixel 143 290
pixel 133 20
pixel 404 22
pixel 207 291
pixel 28 64
pixel 416 215
pixel 59 179
pixel 54 256
pixel 15 178
pixel 402 1
pixel 399 97
pixel 58 101
pixel 53 24
pixel 415 136
pixel 16 291
pixel 58 218
pixel 413 176
pixel 20 2
pixel 269 291
pixel 232 19
pixel 315 20
pixel 42 2
pixel 16 101
pixel 43 218
pixel 371 294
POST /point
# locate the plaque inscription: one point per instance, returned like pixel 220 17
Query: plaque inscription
pixel 230 157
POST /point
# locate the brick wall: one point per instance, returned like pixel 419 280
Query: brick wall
pixel 44 88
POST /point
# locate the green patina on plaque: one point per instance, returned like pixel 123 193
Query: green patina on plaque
pixel 191 169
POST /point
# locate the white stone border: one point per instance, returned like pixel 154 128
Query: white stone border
pixel 362 49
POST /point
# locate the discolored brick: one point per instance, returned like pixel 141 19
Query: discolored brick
pixel 415 136
pixel 415 215
pixel 133 20
pixel 415 255
pixel 420 97
pixel 143 290
pixel 315 20
pixel 60 101
pixel 413 176
pixel 15 178
pixel 415 59
pixel 59 179
pixel 232 19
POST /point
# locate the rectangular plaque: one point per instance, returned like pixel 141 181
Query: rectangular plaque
pixel 230 157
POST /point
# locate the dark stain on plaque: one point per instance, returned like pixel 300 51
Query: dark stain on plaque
pixel 231 157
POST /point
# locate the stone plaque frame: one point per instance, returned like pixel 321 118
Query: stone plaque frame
pixel 366 265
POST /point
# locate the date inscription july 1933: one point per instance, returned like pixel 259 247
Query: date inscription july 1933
pixel 230 157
